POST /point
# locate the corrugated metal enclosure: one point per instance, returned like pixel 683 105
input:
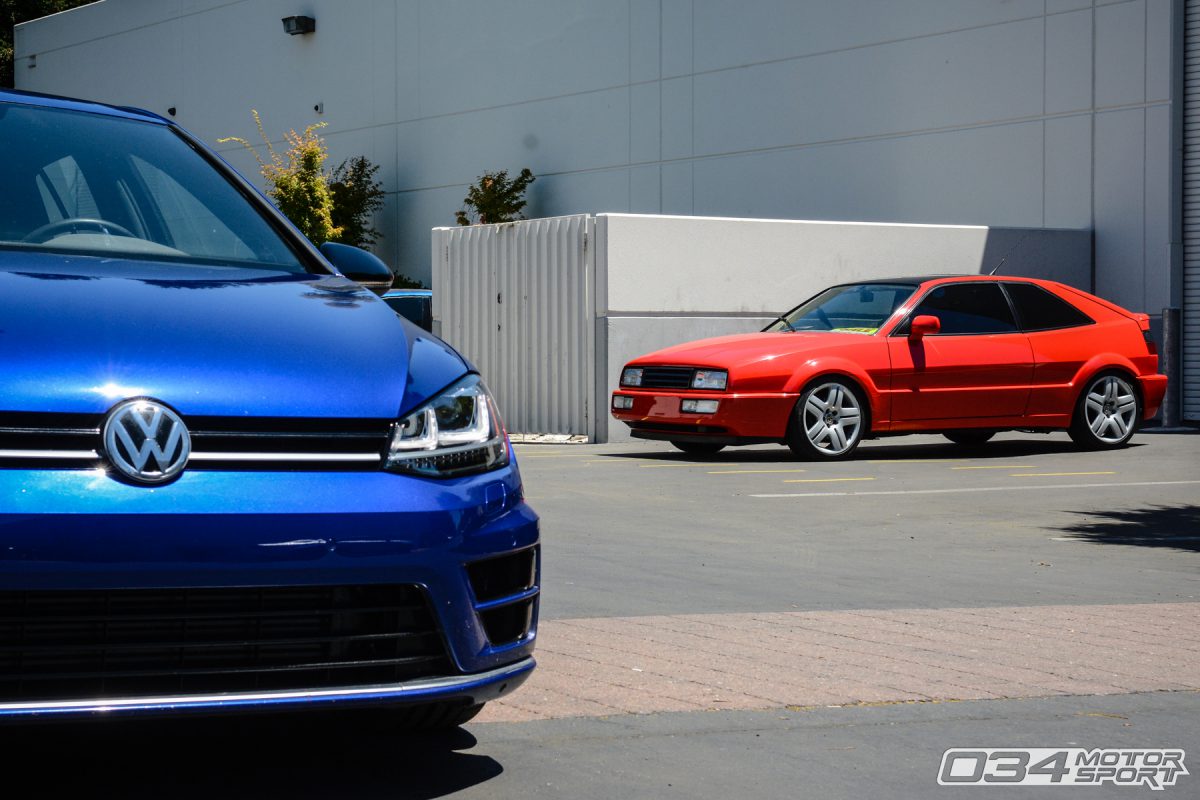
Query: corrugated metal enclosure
pixel 1191 216
pixel 518 300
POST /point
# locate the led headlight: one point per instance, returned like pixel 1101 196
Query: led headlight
pixel 710 379
pixel 632 376
pixel 457 433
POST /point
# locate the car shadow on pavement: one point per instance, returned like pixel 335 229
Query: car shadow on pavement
pixel 872 450
pixel 295 756
pixel 1153 526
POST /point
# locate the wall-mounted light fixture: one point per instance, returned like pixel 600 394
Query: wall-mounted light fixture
pixel 294 26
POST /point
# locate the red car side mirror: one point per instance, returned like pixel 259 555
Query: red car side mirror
pixel 923 326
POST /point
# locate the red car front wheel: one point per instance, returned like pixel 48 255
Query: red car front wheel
pixel 829 421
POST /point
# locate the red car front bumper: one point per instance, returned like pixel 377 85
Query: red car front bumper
pixel 740 418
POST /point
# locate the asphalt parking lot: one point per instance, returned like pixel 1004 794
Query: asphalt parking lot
pixel 746 625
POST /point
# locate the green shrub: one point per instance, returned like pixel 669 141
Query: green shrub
pixel 494 198
pixel 336 207
pixel 297 181
pixel 357 195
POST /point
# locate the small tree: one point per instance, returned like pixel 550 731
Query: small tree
pixel 356 198
pixel 298 183
pixel 494 198
pixel 326 208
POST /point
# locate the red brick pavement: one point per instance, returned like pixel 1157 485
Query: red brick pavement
pixel 640 665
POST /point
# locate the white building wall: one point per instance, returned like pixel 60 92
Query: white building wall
pixel 1020 113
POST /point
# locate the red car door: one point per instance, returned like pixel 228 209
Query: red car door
pixel 1061 341
pixel 978 365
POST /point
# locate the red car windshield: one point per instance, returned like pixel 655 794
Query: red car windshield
pixel 855 308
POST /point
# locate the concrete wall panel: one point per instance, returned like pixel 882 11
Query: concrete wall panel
pixel 678 188
pixel 584 131
pixel 645 190
pixel 966 177
pixel 645 123
pixel 645 35
pixel 1121 54
pixel 972 77
pixel 481 55
pixel 1069 61
pixel 736 34
pixel 1120 220
pixel 579 192
pixel 677 38
pixel 1068 172
pixel 1158 50
pixel 1058 6
pixel 1157 256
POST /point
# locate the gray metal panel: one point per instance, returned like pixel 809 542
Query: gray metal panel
pixel 517 300
pixel 1191 215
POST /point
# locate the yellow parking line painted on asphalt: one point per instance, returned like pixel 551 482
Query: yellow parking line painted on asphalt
pixel 1056 474
pixel 825 480
pixel 664 466
pixel 754 471
pixel 999 466
pixel 914 460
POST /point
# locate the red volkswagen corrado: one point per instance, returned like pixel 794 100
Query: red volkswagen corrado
pixel 965 356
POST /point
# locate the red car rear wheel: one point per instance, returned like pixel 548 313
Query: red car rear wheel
pixel 1107 413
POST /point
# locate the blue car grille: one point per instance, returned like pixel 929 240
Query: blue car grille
pixel 73 440
pixel 61 645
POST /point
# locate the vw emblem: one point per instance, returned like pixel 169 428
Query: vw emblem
pixel 145 441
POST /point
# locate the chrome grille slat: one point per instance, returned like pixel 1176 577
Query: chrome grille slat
pixel 74 440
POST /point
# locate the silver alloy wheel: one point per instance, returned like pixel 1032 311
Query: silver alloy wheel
pixel 831 418
pixel 1110 409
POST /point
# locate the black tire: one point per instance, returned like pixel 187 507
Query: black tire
pixel 698 448
pixel 1107 413
pixel 824 444
pixel 969 438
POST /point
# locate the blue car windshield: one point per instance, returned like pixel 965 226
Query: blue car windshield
pixel 86 184
pixel 856 308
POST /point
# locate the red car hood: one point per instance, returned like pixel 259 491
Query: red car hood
pixel 750 348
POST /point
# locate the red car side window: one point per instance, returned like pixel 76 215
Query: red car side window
pixel 1040 310
pixel 967 308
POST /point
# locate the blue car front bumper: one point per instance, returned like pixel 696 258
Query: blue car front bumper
pixel 81 534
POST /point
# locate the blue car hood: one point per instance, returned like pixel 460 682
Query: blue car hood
pixel 78 334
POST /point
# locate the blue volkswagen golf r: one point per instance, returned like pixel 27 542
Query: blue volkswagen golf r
pixel 230 477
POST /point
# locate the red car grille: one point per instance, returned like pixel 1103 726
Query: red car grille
pixel 667 377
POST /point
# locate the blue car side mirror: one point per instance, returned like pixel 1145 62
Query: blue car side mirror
pixel 359 266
